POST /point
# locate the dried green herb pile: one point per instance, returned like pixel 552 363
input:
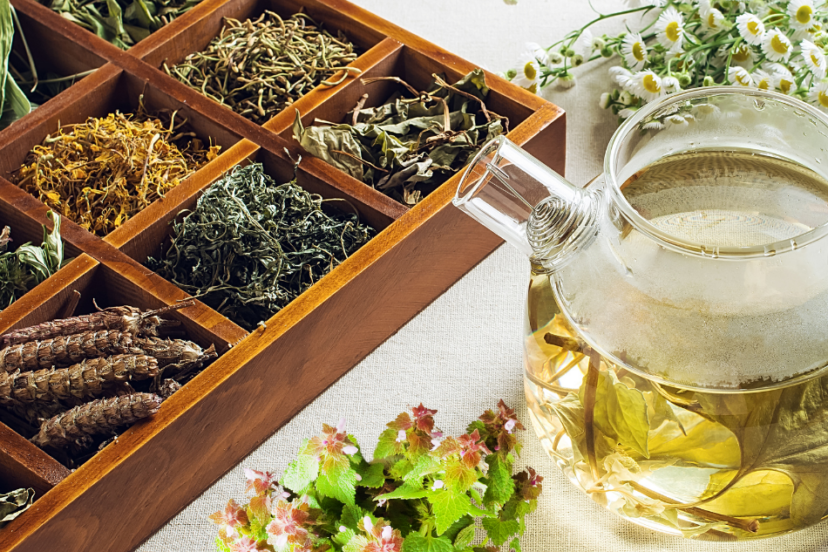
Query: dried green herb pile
pixel 251 245
pixel 258 68
pixel 121 22
pixel 412 143
pixel 74 383
pixel 28 265
pixel 101 172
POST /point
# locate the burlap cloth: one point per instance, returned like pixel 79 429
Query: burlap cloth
pixel 462 353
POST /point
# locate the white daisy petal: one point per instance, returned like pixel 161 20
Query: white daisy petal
pixel 751 28
pixel 738 76
pixel 647 85
pixel 527 73
pixel 712 20
pixel 801 14
pixel 634 51
pixel 743 56
pixel 819 95
pixel 776 46
pixel 762 80
pixel 670 84
pixel 814 59
pixel 670 29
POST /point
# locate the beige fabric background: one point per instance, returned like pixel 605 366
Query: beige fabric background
pixel 462 354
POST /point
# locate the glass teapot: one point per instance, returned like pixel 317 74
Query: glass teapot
pixel 676 336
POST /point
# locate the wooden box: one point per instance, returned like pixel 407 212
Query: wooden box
pixel 262 379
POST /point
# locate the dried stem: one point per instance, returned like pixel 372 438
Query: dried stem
pixel 590 391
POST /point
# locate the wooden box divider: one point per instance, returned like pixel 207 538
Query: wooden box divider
pixel 263 378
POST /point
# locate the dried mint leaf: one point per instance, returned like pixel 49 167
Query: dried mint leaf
pixel 414 142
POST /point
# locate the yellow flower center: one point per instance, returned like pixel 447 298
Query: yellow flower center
pixel 742 54
pixel 638 51
pixel 753 27
pixel 743 78
pixel 803 14
pixel 785 86
pixel 711 20
pixel 763 84
pixel 823 99
pixel 651 84
pixel 778 45
pixel 816 60
pixel 530 71
pixel 672 31
pixel 533 88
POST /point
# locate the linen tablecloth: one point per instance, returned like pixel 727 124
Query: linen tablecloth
pixel 463 352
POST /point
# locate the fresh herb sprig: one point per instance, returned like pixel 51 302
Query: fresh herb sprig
pixel 422 492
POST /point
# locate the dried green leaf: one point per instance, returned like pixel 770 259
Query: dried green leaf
pixel 15 503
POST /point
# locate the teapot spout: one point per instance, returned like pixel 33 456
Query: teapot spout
pixel 525 202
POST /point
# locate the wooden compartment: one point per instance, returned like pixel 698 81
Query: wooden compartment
pixel 266 376
pixel 113 90
pixel 406 63
pixel 199 36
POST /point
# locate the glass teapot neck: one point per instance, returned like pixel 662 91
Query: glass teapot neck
pixel 527 204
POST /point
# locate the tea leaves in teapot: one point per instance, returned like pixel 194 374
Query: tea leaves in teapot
pixel 251 245
pixel 412 143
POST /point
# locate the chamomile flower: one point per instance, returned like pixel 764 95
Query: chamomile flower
pixel 712 19
pixel 670 29
pixel 527 73
pixel 566 81
pixel 751 28
pixel 743 56
pixel 814 59
pixel 776 46
pixel 647 85
pixel 670 84
pixel 620 76
pixel 535 50
pixel 819 95
pixel 762 80
pixel 801 14
pixel 783 79
pixel 738 76
pixel 634 51
pixel 583 45
pixel 652 125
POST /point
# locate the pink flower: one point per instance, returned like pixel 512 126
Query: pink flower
pixel 510 425
pixel 245 544
pixel 471 448
pixel 381 536
pixel 401 436
pixel 289 523
pixel 232 516
pixel 438 484
pixel 258 482
pixel 331 447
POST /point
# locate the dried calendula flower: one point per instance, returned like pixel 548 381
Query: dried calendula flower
pixel 102 172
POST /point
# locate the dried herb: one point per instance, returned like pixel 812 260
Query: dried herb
pixel 102 172
pixel 88 379
pixel 123 318
pixel 98 417
pixel 423 492
pixel 121 22
pixel 251 245
pixel 414 142
pixel 258 68
pixel 23 269
pixel 15 503
pixel 71 349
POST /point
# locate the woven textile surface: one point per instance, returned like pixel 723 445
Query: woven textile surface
pixel 463 352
